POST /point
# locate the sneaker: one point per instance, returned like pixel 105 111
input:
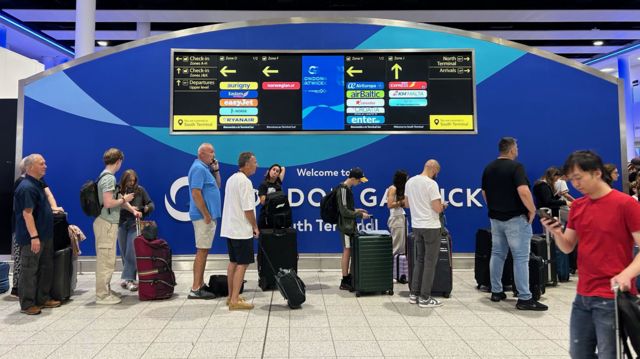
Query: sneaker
pixel 115 294
pixel 123 284
pixel 496 297
pixel 413 299
pixel 201 293
pixel 108 300
pixel 239 298
pixel 431 302
pixel 132 286
pixel 51 303
pixel 241 305
pixel 32 310
pixel 531 304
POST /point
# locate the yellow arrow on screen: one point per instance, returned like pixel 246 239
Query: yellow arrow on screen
pixel 396 68
pixel 351 71
pixel 224 71
pixel 266 71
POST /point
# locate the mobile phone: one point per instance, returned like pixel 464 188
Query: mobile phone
pixel 544 214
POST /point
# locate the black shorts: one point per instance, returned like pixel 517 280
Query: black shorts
pixel 240 250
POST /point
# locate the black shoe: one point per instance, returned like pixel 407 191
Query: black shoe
pixel 14 292
pixel 531 304
pixel 346 285
pixel 496 297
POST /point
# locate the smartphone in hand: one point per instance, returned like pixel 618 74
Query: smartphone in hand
pixel 544 214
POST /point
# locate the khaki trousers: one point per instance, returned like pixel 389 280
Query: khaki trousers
pixel 106 234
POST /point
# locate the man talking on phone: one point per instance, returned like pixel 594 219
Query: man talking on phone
pixel 505 188
pixel 204 210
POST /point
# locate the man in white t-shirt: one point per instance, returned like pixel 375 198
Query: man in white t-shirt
pixel 425 204
pixel 239 226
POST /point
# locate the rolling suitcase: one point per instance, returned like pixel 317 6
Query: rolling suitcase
pixel 61 283
pixel 61 238
pixel 4 277
pixel 543 247
pixel 537 277
pixel 627 323
pixel 290 285
pixel 401 268
pixel 443 279
pixel 281 246
pixel 372 262
pixel 482 259
pixel 153 261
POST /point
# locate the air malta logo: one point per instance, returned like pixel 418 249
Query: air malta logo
pixel 175 187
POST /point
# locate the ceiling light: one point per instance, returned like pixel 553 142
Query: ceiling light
pixel 103 43
pixel 598 43
pixel 608 69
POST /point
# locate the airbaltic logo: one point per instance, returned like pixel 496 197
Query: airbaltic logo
pixel 175 187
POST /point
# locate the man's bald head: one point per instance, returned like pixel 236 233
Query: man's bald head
pixel 431 168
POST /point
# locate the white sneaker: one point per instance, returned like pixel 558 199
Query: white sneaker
pixel 429 303
pixel 115 294
pixel 413 299
pixel 131 286
pixel 108 300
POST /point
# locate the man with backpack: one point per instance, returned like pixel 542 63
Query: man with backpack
pixel 347 215
pixel 105 226
pixel 606 223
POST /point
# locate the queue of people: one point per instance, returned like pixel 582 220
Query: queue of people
pixel 605 222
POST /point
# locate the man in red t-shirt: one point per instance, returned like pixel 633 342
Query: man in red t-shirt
pixel 606 222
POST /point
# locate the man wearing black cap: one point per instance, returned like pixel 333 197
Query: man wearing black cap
pixel 347 220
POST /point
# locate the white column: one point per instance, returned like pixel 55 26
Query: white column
pixel 624 73
pixel 143 29
pixel 85 27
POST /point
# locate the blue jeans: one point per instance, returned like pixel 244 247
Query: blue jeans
pixel 514 234
pixel 126 235
pixel 592 326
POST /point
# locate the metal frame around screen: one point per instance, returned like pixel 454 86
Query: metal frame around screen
pixel 323 132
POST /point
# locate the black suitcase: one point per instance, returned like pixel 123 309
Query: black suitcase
pixel 372 264
pixel 537 276
pixel 61 284
pixel 290 285
pixel 282 248
pixel 61 237
pixel 443 278
pixel 482 259
pixel 545 248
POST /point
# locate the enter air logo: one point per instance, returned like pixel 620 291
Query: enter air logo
pixel 175 187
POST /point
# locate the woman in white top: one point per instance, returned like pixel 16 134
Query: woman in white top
pixel 397 219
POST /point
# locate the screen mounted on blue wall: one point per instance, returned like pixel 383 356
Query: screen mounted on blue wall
pixel 385 91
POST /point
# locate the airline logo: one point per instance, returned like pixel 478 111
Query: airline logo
pixel 365 102
pixel 408 85
pixel 238 94
pixel 239 102
pixel 408 93
pixel 238 85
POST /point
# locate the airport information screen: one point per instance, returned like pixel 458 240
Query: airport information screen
pixel 347 91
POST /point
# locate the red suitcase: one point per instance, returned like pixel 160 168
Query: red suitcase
pixel 153 260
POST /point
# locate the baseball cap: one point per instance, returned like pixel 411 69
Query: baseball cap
pixel 357 173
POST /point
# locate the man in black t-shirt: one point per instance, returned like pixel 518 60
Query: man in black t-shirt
pixel 505 188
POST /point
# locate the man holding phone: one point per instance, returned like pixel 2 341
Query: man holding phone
pixel 606 222
pixel 505 188
pixel 204 210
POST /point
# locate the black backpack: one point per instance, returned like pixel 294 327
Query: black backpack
pixel 89 201
pixel 277 210
pixel 329 207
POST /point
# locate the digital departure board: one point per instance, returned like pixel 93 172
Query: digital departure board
pixel 222 91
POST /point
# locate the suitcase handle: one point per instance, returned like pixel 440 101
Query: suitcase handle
pixel 156 281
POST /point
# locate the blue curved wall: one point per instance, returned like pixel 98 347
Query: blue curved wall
pixel 122 100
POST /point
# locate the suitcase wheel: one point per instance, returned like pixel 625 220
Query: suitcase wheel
pixel 358 294
pixel 390 292
pixel 446 295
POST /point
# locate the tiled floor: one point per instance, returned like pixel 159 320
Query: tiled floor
pixel 332 323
